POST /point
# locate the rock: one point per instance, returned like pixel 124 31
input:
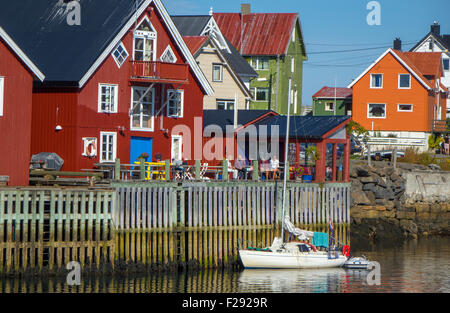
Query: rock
pixel 422 207
pixel 359 198
pixel 369 179
pixel 369 187
pixel 390 205
pixel 382 202
pixel 434 167
pixel 371 196
pixel 383 193
pixel 405 215
pixel 361 172
pixel 409 226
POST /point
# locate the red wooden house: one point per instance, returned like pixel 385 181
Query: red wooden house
pixel 17 73
pixel 115 86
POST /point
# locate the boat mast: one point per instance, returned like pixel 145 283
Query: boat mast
pixel 286 149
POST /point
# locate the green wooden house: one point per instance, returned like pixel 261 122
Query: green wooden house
pixel 273 44
pixel 332 101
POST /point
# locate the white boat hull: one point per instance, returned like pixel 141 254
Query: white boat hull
pixel 289 260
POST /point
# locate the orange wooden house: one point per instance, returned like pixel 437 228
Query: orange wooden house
pixel 400 98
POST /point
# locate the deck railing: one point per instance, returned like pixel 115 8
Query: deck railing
pixel 156 70
pixel 440 126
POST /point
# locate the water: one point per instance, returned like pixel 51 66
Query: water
pixel 414 266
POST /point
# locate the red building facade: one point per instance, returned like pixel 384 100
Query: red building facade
pixel 128 103
pixel 17 73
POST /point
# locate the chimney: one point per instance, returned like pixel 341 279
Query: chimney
pixel 436 29
pixel 245 8
pixel 397 44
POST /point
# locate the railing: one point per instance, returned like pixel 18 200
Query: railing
pixel 440 126
pixel 156 70
pixel 396 141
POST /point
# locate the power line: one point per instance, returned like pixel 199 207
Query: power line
pixel 356 45
pixel 352 50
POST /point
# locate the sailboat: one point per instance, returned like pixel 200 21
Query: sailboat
pixel 296 254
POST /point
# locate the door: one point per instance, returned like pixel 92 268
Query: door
pixel 141 145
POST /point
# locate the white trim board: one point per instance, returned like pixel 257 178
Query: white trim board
pixel 21 54
pixel 398 59
pixel 173 31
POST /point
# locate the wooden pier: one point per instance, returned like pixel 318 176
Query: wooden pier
pixel 199 224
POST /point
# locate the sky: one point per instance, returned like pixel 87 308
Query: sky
pixel 330 26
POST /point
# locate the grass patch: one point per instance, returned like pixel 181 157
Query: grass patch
pixel 424 158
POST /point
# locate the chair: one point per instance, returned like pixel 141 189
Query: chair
pixel 203 170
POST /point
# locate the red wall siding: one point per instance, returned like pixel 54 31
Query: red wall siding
pixel 53 107
pixel 15 124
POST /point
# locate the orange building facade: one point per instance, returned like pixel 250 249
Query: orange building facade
pixel 400 96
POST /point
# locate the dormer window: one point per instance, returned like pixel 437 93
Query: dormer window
pixel 144 41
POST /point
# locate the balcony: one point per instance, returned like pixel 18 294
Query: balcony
pixel 159 72
pixel 440 126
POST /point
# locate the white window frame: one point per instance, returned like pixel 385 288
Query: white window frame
pixel 168 51
pixel 399 104
pixel 292 65
pixel 371 80
pixel 146 35
pixel 381 117
pixel 220 66
pixel 148 129
pixel 169 102
pixel 180 147
pixel 227 103
pixel 116 101
pixel 332 104
pixel 2 93
pixel 256 91
pixel 114 152
pixel 257 61
pixel 448 60
pixel 399 87
pixel 120 45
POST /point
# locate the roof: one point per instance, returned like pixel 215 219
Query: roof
pixel 194 25
pixel 224 118
pixel 444 40
pixel 190 25
pixel 71 54
pixel 332 92
pixel 262 33
pixel 22 56
pixel 428 63
pixel 195 43
pixel 426 60
pixel 304 127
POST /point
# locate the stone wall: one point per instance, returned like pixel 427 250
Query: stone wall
pixel 388 204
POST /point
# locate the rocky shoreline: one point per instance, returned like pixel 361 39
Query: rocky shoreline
pixel 382 212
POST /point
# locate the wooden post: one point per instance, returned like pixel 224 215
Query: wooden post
pixel 255 170
pixel 167 169
pixel 141 168
pixel 197 170
pixel 225 170
pixel 117 170
pixel 394 157
pixel 287 169
pixel 369 159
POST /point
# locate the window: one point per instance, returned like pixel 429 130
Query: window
pixel 292 65
pixel 260 63
pixel 404 107
pixel 217 72
pixel 107 98
pixel 177 145
pixel 225 104
pixel 144 41
pixel 376 81
pixel 329 106
pixel 108 146
pixel 376 110
pixel 168 56
pixel 142 106
pixel 175 103
pixel 261 94
pixel 120 54
pixel 404 81
pixel 2 91
pixel 446 64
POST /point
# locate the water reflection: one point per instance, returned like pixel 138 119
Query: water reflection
pixel 415 266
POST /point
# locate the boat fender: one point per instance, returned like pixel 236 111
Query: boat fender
pixel 346 250
pixel 313 247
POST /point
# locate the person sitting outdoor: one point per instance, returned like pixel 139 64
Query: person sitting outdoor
pixel 178 168
pixel 231 169
pixel 240 165
pixel 274 165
